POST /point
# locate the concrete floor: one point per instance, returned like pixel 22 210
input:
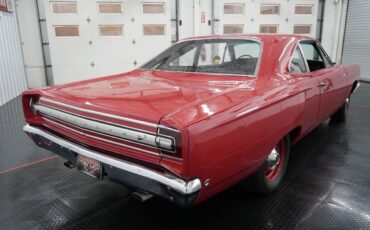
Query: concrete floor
pixel 327 186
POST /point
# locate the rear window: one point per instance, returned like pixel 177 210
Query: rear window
pixel 221 56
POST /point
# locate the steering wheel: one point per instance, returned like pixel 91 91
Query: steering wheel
pixel 236 63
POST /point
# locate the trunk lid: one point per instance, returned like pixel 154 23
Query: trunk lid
pixel 144 95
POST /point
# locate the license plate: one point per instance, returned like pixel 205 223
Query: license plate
pixel 89 166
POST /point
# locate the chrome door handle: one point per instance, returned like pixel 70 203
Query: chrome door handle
pixel 324 84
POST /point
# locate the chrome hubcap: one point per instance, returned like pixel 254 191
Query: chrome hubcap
pixel 273 159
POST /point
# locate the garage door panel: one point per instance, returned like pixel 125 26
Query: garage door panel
pixel 143 57
pixel 356 47
pixel 69 55
pixel 110 52
pixel 105 69
pixel 251 18
pixel 107 43
pixel 72 72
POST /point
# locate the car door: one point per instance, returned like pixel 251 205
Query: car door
pixel 331 78
pixel 304 80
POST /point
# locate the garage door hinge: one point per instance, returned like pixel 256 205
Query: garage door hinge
pixel 42 19
pixel 48 66
pixel 45 43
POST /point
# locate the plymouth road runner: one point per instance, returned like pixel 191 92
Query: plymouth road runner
pixel 207 113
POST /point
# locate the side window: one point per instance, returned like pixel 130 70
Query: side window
pixel 250 49
pixel 313 55
pixel 213 54
pixel 186 58
pixel 326 57
pixel 246 56
pixel 297 64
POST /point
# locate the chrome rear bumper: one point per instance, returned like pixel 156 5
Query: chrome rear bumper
pixel 165 185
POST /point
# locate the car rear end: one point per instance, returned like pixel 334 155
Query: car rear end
pixel 144 154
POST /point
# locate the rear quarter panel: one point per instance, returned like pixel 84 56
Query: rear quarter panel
pixel 353 72
pixel 232 145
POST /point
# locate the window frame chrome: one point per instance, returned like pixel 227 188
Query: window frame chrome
pixel 302 54
pixel 255 75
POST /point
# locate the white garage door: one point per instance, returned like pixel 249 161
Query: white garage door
pixel 194 18
pixel 90 38
pixel 356 48
pixel 253 16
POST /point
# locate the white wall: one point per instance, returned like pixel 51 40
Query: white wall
pixel 12 73
pixel 333 28
pixel 31 42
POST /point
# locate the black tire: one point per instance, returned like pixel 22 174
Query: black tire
pixel 341 115
pixel 259 182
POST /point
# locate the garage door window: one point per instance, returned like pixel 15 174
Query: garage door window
pixel 268 29
pixel 153 8
pixel 233 29
pixel 110 8
pixel 67 31
pixel 303 9
pixel 153 30
pixel 270 9
pixel 302 29
pixel 233 8
pixel 64 7
pixel 111 30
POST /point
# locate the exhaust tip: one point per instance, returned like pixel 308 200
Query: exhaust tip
pixel 141 196
pixel 69 165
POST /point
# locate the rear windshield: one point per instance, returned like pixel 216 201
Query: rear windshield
pixel 222 56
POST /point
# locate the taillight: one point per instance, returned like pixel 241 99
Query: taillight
pixel 169 142
pixel 28 100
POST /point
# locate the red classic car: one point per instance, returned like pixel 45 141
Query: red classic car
pixel 207 113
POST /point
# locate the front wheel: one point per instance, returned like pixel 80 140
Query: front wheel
pixel 271 173
pixel 341 114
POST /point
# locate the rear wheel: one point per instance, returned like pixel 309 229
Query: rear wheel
pixel 341 114
pixel 271 173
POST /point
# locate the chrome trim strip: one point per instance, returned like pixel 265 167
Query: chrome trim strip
pixel 127 134
pixel 113 142
pixel 98 120
pixel 302 54
pixel 100 113
pixel 304 58
pixel 175 183
pixel 101 139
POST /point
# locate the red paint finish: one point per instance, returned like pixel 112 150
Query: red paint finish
pixel 228 124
